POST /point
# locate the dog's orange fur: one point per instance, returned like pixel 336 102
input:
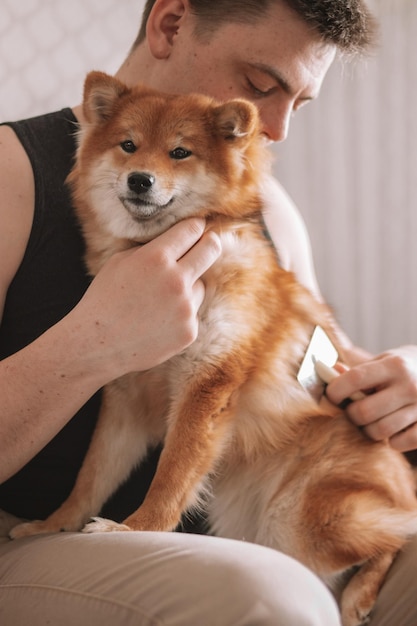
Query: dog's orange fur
pixel 229 409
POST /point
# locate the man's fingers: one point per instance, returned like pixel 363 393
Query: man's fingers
pixel 180 237
pixel 187 243
pixel 405 440
pixel 360 378
pixel 391 424
pixel 202 256
pixel 199 292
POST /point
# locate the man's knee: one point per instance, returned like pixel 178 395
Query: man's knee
pixel 265 587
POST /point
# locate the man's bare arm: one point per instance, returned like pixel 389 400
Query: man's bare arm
pixel 390 411
pixel 139 310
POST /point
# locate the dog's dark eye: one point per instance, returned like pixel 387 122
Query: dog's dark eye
pixel 180 153
pixel 128 146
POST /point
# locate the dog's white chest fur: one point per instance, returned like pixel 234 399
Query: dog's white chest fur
pixel 222 320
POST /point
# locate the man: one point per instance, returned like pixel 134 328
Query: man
pixel 62 339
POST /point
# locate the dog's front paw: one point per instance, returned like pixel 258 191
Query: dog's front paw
pixel 147 518
pixel 101 525
pixel 27 529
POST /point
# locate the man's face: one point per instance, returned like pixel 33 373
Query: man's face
pixel 277 62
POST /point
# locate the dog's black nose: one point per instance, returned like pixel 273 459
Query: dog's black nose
pixel 140 182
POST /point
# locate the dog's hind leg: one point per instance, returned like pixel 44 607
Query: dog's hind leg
pixel 359 596
pixel 353 525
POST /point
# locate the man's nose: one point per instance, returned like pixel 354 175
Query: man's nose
pixel 276 123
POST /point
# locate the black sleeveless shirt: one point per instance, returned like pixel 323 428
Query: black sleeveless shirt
pixel 50 281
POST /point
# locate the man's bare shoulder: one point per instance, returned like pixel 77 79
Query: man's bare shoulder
pixel 289 233
pixel 16 206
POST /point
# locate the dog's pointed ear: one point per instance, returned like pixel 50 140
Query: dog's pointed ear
pixel 101 92
pixel 235 119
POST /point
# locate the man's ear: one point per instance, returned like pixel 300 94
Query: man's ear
pixel 163 24
pixel 101 92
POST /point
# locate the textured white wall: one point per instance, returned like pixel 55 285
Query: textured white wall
pixel 48 46
pixel 350 162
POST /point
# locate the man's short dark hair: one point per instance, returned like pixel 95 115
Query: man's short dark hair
pixel 346 24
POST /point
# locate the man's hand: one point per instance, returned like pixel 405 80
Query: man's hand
pixel 142 307
pixel 389 410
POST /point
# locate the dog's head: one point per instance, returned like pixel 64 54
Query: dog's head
pixel 147 160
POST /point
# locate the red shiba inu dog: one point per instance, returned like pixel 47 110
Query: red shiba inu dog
pixel 229 410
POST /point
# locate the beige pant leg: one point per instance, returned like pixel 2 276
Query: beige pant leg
pixel 158 579
pixel 397 600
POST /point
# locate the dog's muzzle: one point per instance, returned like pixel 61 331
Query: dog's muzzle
pixel 143 200
pixel 140 182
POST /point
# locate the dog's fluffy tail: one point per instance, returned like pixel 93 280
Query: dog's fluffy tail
pixel 353 527
pixel 383 528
